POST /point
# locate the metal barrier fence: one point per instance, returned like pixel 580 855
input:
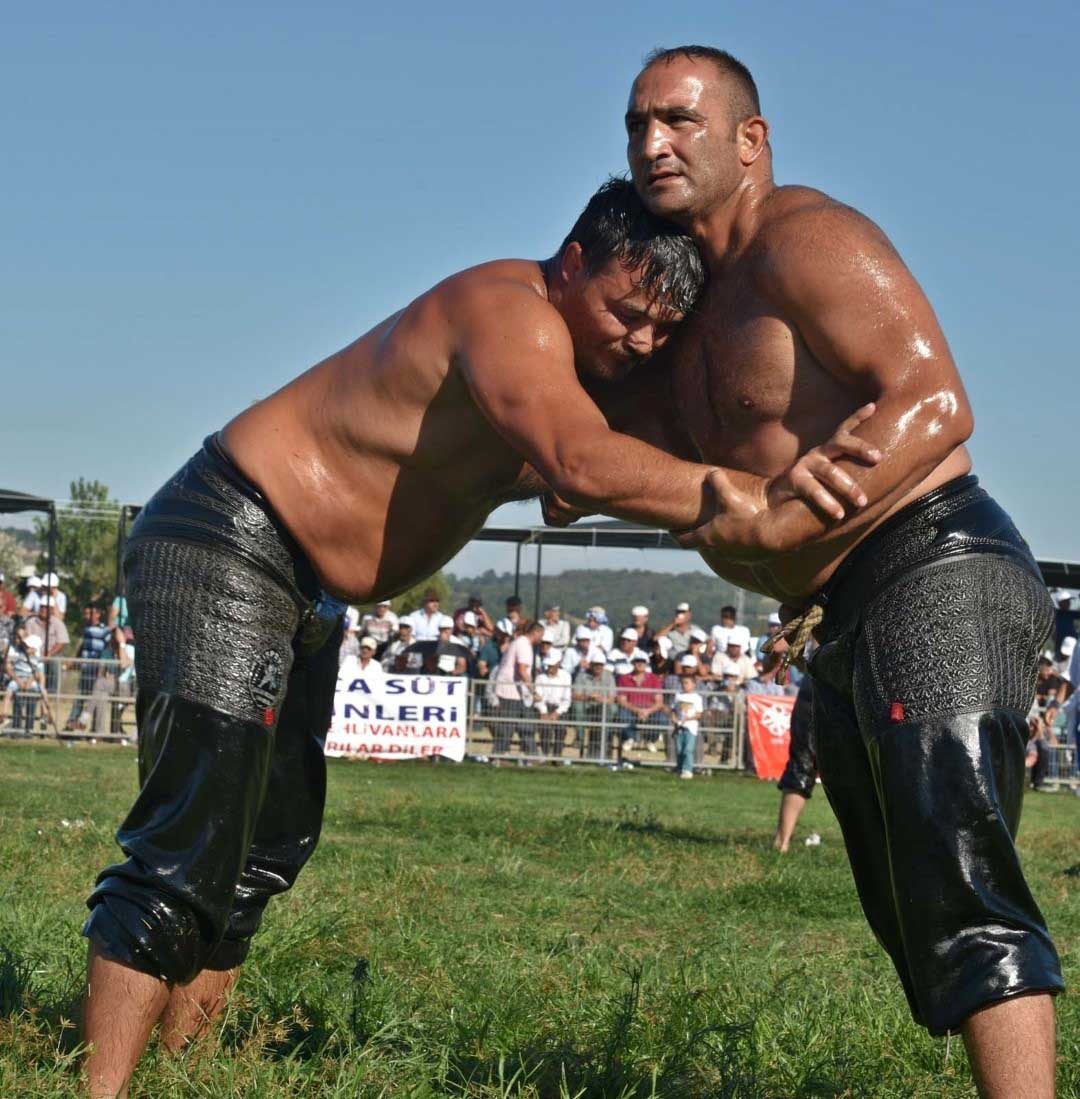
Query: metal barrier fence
pixel 84 699
pixel 1063 765
pixel 598 725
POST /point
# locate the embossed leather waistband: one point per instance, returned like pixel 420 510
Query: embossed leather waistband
pixel 958 519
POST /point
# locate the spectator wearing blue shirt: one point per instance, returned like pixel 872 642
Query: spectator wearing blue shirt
pixel 95 640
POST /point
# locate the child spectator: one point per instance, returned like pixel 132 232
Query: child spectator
pixel 686 713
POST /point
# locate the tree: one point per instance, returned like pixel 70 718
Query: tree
pixel 85 546
pixel 411 599
pixel 11 557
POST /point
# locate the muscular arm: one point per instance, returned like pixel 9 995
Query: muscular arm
pixel 518 360
pixel 837 280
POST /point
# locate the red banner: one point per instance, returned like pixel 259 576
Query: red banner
pixel 768 721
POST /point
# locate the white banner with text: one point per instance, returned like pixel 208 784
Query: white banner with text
pixel 398 716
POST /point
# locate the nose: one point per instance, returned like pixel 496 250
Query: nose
pixel 656 144
pixel 641 340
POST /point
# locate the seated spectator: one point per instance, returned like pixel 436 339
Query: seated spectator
pixel 686 712
pixel 721 632
pixel 427 620
pixel 24 680
pixel 491 649
pixel 641 703
pixel 380 623
pixel 639 623
pixel 116 670
pixel 677 631
pixel 397 648
pixel 554 696
pixel 474 605
pixel 1050 688
pixel 599 631
pixel 368 667
pixel 574 655
pixel 594 691
pixel 513 610
pixel 556 627
pixel 468 636
pixel 619 659
pixel 1038 752
pixel 733 661
pixel 446 631
pixel 764 683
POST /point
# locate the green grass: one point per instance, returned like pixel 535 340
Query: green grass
pixel 465 931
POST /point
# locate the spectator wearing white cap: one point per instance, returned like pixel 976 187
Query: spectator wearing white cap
pixel 427 620
pixel 618 660
pixel 367 667
pixel 468 634
pixel 380 623
pixel 556 627
pixel 594 695
pixel 577 652
pixel 639 623
pixel 602 635
pixel 721 631
pixel 677 631
pixel 772 628
pixel 1064 659
pixel 734 662
pixel 52 596
pixel 513 690
pixel 641 703
pixel 475 604
pixel 697 647
pixel 553 698
pixel 32 600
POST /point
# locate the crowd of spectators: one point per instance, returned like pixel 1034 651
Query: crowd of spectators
pixel 640 685
pixel 36 649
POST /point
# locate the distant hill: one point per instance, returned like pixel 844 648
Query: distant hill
pixel 617 590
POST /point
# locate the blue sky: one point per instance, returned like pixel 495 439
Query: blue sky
pixel 201 200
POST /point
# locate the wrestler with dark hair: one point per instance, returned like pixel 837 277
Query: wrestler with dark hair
pixel 351 483
pixel 927 603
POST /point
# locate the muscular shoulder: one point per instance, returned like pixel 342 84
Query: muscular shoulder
pixel 503 300
pixel 806 239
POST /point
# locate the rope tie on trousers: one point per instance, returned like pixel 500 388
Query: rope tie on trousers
pixel 796 632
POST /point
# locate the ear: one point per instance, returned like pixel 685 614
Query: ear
pixel 572 266
pixel 753 139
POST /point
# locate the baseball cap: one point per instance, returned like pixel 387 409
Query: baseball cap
pixel 50 580
pixel 683 607
pixel 404 624
pixel 596 656
pixel 594 612
pixel 445 622
pixel 548 636
pixel 774 619
pixel 368 643
pixel 688 660
pixel 629 634
pixel 639 654
pixel 739 635
pixel 33 642
pixel 505 626
pixel 383 603
pixel 553 607
pixel 469 618
pixel 33 582
pixel 639 611
pixel 583 633
pixel 553 657
pixel 698 634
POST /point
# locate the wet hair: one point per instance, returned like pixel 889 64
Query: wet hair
pixel 743 95
pixel 616 225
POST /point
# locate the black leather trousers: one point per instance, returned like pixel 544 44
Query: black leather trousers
pixel 236 657
pixel 800 774
pixel 922 685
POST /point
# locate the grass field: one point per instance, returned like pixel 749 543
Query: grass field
pixel 467 931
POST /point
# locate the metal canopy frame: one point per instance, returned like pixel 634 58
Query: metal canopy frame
pixel 12 502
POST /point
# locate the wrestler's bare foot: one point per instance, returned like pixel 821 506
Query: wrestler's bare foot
pixel 121 1007
pixel 193 1007
pixel 791 806
pixel 1012 1048
pixel 781 844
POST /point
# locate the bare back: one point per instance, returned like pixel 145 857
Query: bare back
pixel 378 459
pixel 754 395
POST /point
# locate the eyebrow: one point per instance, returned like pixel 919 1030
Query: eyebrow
pixel 665 111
